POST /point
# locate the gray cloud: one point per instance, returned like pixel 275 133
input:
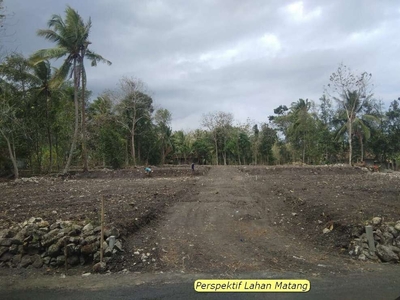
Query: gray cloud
pixel 245 57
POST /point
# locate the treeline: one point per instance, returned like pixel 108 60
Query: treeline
pixel 38 121
pixel 48 124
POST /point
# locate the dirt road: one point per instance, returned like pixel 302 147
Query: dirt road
pixel 232 222
pixel 226 226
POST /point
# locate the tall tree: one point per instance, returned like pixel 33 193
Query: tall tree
pixel 16 80
pixel 255 143
pixel 203 146
pixel 182 145
pixel 325 134
pixel 163 120
pixel 8 122
pixel 268 138
pixel 391 128
pixel 71 37
pixel 360 124
pixel 133 105
pixel 350 90
pixel 302 123
pixel 43 76
pixel 218 123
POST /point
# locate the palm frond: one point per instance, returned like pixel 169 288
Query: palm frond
pixel 61 74
pixel 361 129
pixel 57 22
pixel 50 35
pixel 365 129
pixel 371 118
pixel 42 70
pixel 45 54
pixel 87 28
pixel 95 58
pixel 340 132
pixel 74 23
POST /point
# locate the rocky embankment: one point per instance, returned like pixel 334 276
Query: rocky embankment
pixel 37 243
pixel 386 239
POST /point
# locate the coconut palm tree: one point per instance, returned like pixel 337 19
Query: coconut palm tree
pixel 354 124
pixel 301 125
pixel 44 77
pixel 71 37
pixel 360 129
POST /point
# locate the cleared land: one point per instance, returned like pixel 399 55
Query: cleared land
pixel 219 220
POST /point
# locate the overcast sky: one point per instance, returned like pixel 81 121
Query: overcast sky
pixel 243 57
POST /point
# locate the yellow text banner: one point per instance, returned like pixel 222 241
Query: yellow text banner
pixel 252 285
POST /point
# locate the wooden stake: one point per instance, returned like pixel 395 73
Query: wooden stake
pixel 370 239
pixel 102 229
pixel 66 255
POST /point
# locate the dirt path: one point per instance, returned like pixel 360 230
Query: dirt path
pixel 227 227
pixel 232 222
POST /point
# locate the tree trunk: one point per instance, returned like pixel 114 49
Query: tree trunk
pixel 31 163
pixel 238 151
pixel 58 161
pixel 75 137
pixel 133 137
pixel 350 142
pixel 162 156
pixel 38 153
pixel 216 151
pixel 133 146
pixel 326 156
pixel 134 150
pixel 138 152
pixel 12 155
pixel 362 148
pixel 224 153
pixel 127 153
pixel 84 148
pixel 49 132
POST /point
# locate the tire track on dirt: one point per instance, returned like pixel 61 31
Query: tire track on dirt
pixel 223 227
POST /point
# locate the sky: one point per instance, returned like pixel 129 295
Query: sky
pixel 242 57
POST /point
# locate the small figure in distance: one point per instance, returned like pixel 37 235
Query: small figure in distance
pixel 192 167
pixel 148 171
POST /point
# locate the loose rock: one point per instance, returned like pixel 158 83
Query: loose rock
pixel 3 250
pixel 37 261
pixel 87 227
pixel 376 220
pixel 25 261
pixel 386 254
pixel 100 267
pixel 73 260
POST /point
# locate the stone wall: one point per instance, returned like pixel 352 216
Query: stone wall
pixel 386 238
pixel 37 243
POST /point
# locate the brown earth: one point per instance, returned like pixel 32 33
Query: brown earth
pixel 219 220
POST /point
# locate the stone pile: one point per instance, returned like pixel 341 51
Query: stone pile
pixel 37 243
pixel 386 239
